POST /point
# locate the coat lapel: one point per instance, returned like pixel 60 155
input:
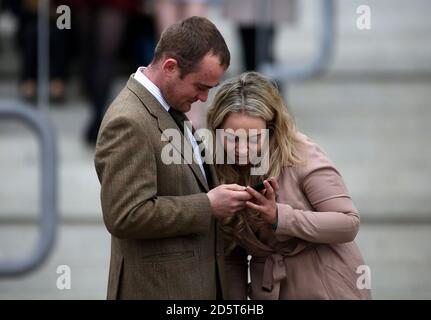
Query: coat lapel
pixel 165 122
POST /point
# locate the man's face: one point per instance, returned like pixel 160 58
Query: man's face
pixel 181 93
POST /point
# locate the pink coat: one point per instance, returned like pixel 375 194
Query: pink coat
pixel 312 253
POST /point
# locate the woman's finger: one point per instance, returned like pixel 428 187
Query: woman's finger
pixel 259 197
pixel 270 193
pixel 254 206
pixel 274 183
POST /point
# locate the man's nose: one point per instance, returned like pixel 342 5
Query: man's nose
pixel 203 96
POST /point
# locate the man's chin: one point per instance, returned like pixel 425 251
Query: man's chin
pixel 182 108
pixel 186 108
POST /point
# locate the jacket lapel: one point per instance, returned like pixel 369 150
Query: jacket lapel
pixel 165 122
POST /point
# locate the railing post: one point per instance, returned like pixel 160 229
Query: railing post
pixel 48 216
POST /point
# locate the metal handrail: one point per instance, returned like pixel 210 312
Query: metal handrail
pixel 320 62
pixel 41 125
pixel 48 217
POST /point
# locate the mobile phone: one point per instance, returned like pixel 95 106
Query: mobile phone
pixel 259 186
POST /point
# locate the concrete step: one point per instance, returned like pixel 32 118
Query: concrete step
pixel 83 248
pixel 377 133
pixel 397 255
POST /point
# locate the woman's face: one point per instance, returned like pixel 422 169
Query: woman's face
pixel 243 137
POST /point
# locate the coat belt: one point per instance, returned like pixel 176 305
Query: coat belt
pixel 274 271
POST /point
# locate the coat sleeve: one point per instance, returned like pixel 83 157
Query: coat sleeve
pixel 334 218
pixel 126 166
pixel 236 274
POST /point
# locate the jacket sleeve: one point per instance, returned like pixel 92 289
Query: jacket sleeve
pixel 126 166
pixel 236 274
pixel 334 218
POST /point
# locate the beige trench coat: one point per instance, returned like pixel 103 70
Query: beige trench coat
pixel 312 253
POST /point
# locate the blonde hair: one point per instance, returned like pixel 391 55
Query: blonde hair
pixel 254 95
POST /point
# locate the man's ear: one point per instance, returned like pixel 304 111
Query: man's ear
pixel 170 66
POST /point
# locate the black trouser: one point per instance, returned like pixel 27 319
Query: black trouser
pixel 248 37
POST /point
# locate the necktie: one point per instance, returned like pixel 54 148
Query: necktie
pixel 180 118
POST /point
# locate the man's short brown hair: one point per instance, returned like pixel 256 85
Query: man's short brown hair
pixel 188 41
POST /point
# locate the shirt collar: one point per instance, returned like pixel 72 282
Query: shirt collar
pixel 151 87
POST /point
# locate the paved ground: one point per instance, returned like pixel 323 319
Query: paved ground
pixel 398 256
pixel 370 113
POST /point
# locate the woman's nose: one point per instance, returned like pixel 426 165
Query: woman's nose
pixel 242 148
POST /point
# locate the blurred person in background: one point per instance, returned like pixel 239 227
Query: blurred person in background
pixel 103 26
pixel 300 229
pixel 60 42
pixel 168 12
pixel 254 16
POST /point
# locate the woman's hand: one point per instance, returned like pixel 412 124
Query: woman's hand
pixel 264 202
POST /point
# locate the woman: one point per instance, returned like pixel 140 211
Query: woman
pixel 300 229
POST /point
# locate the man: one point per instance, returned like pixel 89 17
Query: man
pixel 163 217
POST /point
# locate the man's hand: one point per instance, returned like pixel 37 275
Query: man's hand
pixel 228 199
